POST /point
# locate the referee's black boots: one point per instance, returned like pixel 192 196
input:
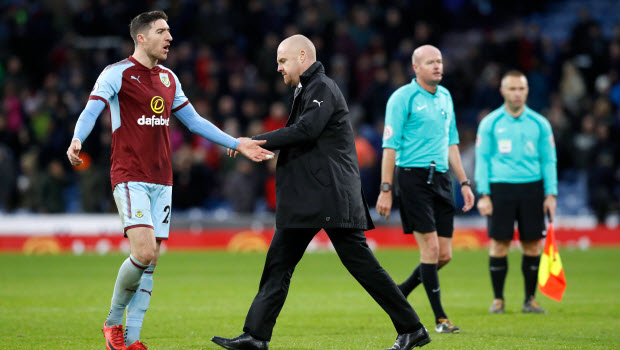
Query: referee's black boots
pixel 243 342
pixel 409 341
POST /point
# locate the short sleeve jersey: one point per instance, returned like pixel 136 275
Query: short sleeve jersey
pixel 420 126
pixel 515 150
pixel 141 101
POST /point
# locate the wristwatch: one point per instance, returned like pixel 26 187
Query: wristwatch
pixel 386 187
pixel 466 183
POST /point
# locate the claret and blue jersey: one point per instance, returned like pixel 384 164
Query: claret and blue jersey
pixel 141 101
pixel 420 126
pixel 515 150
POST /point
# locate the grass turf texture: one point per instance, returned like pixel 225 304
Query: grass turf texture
pixel 60 302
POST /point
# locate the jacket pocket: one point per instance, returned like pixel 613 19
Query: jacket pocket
pixel 319 170
pixel 321 175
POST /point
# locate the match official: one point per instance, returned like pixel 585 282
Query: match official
pixel 421 139
pixel 517 177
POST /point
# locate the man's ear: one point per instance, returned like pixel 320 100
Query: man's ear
pixel 302 56
pixel 140 38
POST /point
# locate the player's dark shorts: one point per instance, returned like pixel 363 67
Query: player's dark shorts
pixel 522 203
pixel 425 207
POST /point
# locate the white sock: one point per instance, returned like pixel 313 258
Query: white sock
pixel 127 281
pixel 137 307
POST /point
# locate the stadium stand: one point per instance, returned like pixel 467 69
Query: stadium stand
pixel 51 53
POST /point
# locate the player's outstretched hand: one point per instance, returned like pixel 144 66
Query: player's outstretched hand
pixel 251 149
pixel 232 153
pixel 74 150
pixel 468 198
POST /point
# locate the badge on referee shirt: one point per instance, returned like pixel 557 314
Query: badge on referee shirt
pixel 387 132
pixel 530 149
pixel 505 146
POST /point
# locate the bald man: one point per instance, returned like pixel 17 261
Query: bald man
pixel 318 187
pixel 420 139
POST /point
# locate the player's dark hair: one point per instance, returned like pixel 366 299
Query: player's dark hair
pixel 142 23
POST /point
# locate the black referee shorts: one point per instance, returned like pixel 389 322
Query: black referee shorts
pixel 425 207
pixel 522 203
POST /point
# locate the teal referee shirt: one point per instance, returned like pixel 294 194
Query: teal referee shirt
pixel 515 150
pixel 420 126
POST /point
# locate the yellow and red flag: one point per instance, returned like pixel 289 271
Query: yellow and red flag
pixel 551 279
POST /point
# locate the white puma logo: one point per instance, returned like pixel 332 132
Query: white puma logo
pixel 319 103
pixel 138 79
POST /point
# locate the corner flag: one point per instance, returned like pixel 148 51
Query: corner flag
pixel 551 279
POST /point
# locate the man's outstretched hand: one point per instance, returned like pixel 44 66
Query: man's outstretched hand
pixel 251 149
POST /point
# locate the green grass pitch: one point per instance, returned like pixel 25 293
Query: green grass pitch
pixel 60 302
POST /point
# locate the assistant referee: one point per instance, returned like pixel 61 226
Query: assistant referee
pixel 517 177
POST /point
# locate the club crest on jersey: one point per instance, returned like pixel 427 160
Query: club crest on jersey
pixel 164 79
pixel 139 214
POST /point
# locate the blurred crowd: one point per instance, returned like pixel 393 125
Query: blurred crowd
pixel 224 53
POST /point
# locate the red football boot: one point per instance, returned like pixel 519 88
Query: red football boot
pixel 114 338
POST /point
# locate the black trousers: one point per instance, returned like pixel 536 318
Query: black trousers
pixel 286 250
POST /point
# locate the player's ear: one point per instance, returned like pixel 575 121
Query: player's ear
pixel 140 38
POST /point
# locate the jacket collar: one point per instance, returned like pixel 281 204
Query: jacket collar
pixel 315 68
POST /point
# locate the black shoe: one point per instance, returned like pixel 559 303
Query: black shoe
pixel 409 341
pixel 243 342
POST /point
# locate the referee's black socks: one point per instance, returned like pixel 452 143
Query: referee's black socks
pixel 430 280
pixel 414 280
pixel 529 266
pixel 410 283
pixel 498 268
